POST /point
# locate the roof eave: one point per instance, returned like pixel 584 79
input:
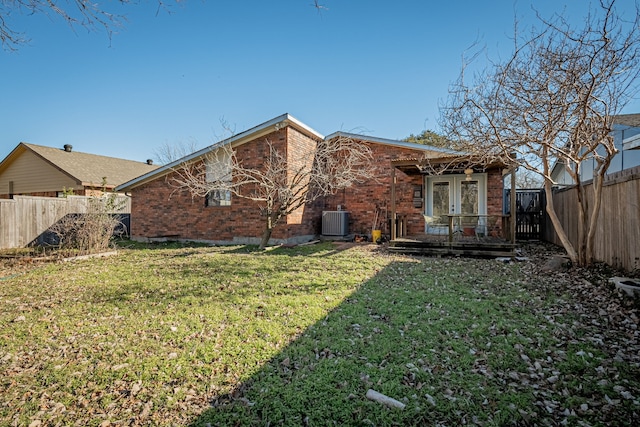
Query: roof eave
pixel 396 143
pixel 632 143
pixel 236 140
pixel 452 163
pixel 19 149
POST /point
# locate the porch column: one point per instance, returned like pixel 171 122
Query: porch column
pixel 393 202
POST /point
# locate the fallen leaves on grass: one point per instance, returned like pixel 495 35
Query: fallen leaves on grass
pixel 298 336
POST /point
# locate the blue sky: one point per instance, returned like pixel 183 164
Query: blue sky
pixel 366 66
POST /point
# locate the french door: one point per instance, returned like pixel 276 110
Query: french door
pixel 454 195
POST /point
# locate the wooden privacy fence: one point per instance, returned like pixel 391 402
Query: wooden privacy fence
pixel 617 240
pixel 24 219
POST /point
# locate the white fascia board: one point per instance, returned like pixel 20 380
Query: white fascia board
pixel 239 139
pixel 632 143
pixel 403 144
pixel 301 126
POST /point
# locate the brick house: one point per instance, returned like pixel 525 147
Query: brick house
pixel 161 211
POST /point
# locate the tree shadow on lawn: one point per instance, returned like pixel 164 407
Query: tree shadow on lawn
pixel 324 249
pixel 446 343
pixel 323 375
pixel 185 249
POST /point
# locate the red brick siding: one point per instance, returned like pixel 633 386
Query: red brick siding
pixel 300 155
pixel 158 210
pixel 363 199
pixel 495 186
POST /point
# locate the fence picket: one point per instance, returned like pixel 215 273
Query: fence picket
pixel 24 218
pixel 617 240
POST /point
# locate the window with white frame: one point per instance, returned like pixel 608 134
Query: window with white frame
pixel 219 174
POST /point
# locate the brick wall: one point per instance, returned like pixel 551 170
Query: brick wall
pixel 79 192
pixel 364 199
pixel 495 186
pixel 494 192
pixel 160 210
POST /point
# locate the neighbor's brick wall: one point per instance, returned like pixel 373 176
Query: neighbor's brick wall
pixel 158 210
pixel 80 192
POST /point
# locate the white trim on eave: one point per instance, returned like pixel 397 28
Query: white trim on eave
pixel 631 143
pixel 393 142
pixel 239 139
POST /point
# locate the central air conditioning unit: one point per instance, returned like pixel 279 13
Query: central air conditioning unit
pixel 335 223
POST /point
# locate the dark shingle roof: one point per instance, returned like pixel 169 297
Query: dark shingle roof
pixel 91 168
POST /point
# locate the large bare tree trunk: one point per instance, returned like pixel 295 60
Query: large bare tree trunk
pixel 268 229
pixel 593 220
pixel 266 236
pixel 562 235
pixel 583 208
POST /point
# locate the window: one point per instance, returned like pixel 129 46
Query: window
pixel 219 176
pixel 218 198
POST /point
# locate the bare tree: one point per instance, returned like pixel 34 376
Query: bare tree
pixel 82 13
pixel 525 179
pixel 554 101
pixel 287 179
pixel 168 153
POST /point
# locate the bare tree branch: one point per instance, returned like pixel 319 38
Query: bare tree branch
pixel 553 101
pixel 287 179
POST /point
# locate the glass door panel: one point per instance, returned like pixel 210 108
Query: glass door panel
pixel 468 197
pixel 441 198
pixel 467 203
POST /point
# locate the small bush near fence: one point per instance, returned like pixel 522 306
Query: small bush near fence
pixel 37 227
pixel 91 231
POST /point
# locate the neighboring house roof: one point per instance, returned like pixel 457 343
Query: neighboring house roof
pixel 561 177
pixel 239 139
pixel 86 169
pixel 631 120
pixel 268 127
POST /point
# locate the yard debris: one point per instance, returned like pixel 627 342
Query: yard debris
pixel 385 400
pixel 629 286
pixel 556 263
pixel 430 399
